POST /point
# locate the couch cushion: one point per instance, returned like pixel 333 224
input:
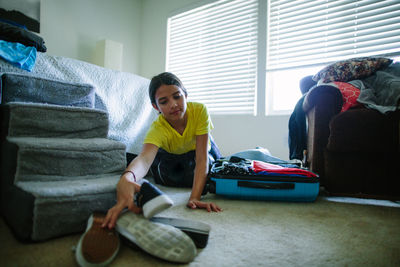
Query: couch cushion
pixel 366 174
pixel 363 130
pixel 352 69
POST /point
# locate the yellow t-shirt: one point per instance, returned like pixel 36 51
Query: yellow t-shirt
pixel 164 136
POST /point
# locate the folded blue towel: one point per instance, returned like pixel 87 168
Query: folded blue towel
pixel 18 54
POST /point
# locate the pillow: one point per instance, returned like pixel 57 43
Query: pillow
pixel 350 95
pixel 11 33
pixel 352 69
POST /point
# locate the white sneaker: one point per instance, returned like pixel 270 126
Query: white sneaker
pixel 152 200
pixel 197 231
pixel 98 246
pixel 160 240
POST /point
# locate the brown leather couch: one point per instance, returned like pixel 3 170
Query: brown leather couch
pixel 355 152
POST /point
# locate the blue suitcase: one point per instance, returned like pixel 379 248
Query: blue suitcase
pixel 264 187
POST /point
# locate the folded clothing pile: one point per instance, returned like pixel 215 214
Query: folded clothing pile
pixel 240 166
pixel 19 45
pixel 12 33
pixel 265 168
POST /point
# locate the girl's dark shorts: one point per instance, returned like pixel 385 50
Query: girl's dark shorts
pixel 178 170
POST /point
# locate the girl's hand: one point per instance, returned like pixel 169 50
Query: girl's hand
pixel 197 204
pixel 125 192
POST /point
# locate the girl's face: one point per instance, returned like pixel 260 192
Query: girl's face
pixel 171 102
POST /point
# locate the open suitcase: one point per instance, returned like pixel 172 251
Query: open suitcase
pixel 270 186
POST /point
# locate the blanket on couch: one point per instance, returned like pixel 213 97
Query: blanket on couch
pixel 123 95
pixel 381 91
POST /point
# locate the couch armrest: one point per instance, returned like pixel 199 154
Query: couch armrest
pixel 320 105
pixel 324 95
pixel 306 84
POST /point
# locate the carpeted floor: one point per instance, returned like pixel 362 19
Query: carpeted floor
pixel 328 232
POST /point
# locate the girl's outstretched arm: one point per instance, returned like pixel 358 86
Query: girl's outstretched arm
pixel 127 186
pixel 200 176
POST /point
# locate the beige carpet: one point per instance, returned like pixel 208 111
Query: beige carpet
pixel 253 233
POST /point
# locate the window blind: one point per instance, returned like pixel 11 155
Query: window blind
pixel 312 32
pixel 213 50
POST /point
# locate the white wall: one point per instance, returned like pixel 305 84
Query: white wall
pixel 71 28
pixel 232 133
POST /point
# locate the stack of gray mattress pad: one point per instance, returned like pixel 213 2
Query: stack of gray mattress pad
pixel 57 165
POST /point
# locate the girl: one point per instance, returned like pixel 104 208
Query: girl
pixel 176 148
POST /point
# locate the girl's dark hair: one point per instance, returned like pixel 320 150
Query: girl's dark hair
pixel 165 78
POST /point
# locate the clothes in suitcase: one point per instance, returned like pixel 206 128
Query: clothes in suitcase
pixel 241 178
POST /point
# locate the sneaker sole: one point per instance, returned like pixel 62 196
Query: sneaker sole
pixel 197 231
pixel 97 243
pixel 160 240
pixel 156 205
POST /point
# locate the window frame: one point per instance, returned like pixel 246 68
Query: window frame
pixel 264 94
pixel 253 83
pixel 270 90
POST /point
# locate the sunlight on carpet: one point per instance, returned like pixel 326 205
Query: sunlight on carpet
pixel 363 201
